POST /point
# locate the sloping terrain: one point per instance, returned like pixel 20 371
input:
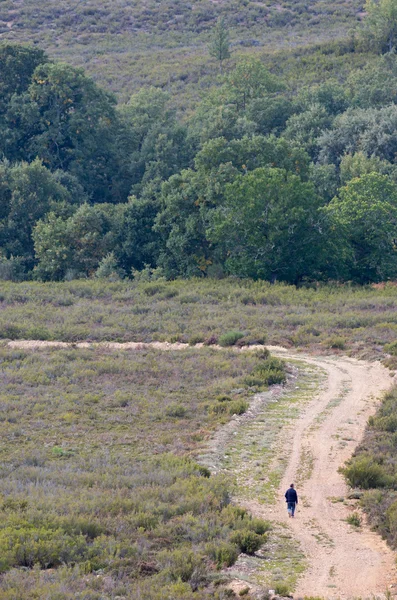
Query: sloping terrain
pixel 124 45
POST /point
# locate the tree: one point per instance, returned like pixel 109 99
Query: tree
pixel 154 144
pixel 70 124
pixel 77 244
pixel 268 226
pixel 219 47
pixel 381 24
pixel 32 192
pixel 306 127
pixel 365 212
pixel 375 85
pixel 17 65
pixel 371 131
pixel 249 80
pixel 358 164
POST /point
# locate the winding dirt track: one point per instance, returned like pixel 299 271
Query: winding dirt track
pixel 343 562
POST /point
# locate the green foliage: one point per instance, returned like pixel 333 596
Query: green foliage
pixel 381 24
pixel 247 541
pixel 263 210
pixel 354 519
pixel 125 497
pixel 366 211
pixel 176 410
pixel 219 47
pixel 248 81
pixel 363 472
pixel 271 371
pixel 391 348
pixel 336 342
pixel 237 407
pixel 281 589
pixel 230 338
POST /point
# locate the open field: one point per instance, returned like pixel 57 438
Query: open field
pixel 101 494
pixel 356 320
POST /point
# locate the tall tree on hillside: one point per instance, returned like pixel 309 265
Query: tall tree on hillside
pixel 219 47
pixel 381 24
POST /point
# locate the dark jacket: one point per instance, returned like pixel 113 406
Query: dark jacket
pixel 291 495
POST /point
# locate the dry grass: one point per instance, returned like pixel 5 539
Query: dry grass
pixel 98 473
pixel 317 318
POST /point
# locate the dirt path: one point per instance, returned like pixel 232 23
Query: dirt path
pixel 343 562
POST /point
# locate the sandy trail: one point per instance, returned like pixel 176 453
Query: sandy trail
pixel 343 562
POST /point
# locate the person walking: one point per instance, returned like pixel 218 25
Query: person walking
pixel 291 497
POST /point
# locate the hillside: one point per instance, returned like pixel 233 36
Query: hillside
pixel 125 45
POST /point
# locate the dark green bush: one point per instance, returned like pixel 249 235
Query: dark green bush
pixel 364 473
pixel 238 407
pixel 224 554
pixel 223 398
pixel 176 410
pixel 388 423
pixel 196 339
pixel 230 338
pixel 247 541
pixel 270 371
pixel 336 342
pixel 259 526
pixel 391 348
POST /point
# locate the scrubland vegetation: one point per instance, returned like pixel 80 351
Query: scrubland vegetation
pixel 361 321
pixel 126 45
pixel 177 199
pixel 373 468
pixel 101 495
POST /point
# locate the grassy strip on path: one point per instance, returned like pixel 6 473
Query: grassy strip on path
pixel 255 454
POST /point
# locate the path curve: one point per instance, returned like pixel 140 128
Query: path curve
pixel 343 562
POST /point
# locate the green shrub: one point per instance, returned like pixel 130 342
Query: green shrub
pixel 223 398
pixel 196 339
pixel 336 342
pixel 224 554
pixel 281 589
pixel 269 372
pixel 247 541
pixel 176 410
pixel 230 338
pixel 364 473
pixel 262 353
pixel 391 348
pixel 354 519
pixel 154 288
pixel 259 526
pixel 238 407
pixel 219 409
pixel 180 564
pixel 388 423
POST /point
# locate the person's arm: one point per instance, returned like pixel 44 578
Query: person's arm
pixel 296 497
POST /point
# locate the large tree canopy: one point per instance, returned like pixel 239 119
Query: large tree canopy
pixel 365 213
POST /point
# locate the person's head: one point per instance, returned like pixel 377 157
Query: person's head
pixel 291 485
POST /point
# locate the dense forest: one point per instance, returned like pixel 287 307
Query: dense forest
pixel 264 178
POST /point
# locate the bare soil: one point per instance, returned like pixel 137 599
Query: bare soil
pixel 344 562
